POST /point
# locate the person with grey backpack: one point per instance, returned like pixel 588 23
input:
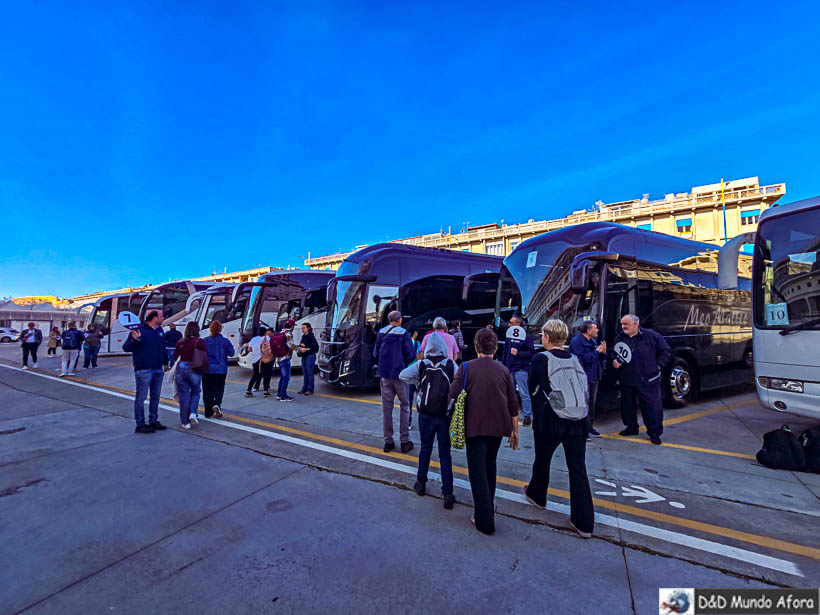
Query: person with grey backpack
pixel 558 387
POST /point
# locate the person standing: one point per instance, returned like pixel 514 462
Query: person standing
pixel 411 388
pixel 91 346
pixel 393 352
pixel 266 363
pixel 172 336
pixel 284 362
pixel 308 347
pixel 433 375
pixel 188 381
pixel 255 350
pixel 590 354
pixel 490 414
pixel 146 344
pixel 31 338
pixel 53 341
pixel 440 329
pixel 640 355
pixel 213 383
pixel 550 431
pixel 455 331
pixel 72 342
pixel 518 352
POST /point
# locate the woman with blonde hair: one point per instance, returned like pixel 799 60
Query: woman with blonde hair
pixel 551 430
pixel 213 383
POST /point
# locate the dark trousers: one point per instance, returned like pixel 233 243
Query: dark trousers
pixel 213 388
pixel 52 351
pixel 411 388
pixel 308 364
pixel 580 497
pixel 90 355
pixel 266 370
pixel 482 452
pixel 649 395
pixel 30 349
pixel 593 396
pixel 430 428
pixel 256 377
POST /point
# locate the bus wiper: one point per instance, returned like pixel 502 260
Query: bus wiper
pixel 802 325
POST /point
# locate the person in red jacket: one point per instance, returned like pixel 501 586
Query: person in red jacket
pixel 187 380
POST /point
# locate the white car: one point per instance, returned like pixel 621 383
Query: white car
pixel 9 335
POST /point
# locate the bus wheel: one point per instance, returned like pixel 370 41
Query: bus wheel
pixel 681 386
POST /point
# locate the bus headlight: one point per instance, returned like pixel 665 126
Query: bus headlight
pixel 778 384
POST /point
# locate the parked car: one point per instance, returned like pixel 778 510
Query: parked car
pixel 9 335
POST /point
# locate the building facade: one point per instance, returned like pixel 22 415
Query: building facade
pixel 696 215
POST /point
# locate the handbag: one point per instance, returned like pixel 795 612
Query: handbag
pixel 172 373
pixel 199 361
pixel 457 438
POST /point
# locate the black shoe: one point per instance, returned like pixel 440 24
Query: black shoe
pixel 144 429
pixel 248 394
pixel 406 447
pixel 266 394
pixel 389 446
pixel 594 433
pixel 655 440
pixel 533 502
pixel 449 501
pixel 209 413
pixel 527 421
pixel 156 425
pixel 628 432
pixel 420 488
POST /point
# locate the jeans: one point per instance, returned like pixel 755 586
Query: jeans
pixel 170 353
pixel 593 396
pixel 69 361
pixel 430 428
pixel 284 378
pixel 523 391
pixel 582 512
pixel 213 388
pixel 651 406
pixel 30 349
pixel 308 363
pixel 256 377
pixel 90 355
pixel 188 387
pixel 482 452
pixel 391 389
pixel 266 371
pixel 147 380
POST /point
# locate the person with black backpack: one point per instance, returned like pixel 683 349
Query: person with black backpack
pixel 72 342
pixel 433 376
pixel 558 387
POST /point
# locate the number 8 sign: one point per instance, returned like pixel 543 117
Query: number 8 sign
pixel 516 333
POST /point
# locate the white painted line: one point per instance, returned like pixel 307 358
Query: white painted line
pixel 675 538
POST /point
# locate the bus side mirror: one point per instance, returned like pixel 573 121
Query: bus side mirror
pixel 579 276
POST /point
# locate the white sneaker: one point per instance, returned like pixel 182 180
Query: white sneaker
pixel 186 426
pixel 35 366
pixel 24 367
pixel 195 419
pixel 71 374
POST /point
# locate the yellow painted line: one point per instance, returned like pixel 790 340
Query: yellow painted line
pixel 763 541
pixel 684 447
pixel 739 535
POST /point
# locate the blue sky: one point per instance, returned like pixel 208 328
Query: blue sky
pixel 166 140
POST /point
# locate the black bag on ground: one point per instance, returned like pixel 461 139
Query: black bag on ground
pixel 782 450
pixel 434 387
pixel 810 439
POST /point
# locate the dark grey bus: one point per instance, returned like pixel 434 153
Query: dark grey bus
pixel 422 283
pixel 601 271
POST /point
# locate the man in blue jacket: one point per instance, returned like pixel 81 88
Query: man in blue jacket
pixel 147 347
pixel 518 352
pixel 590 353
pixel 640 355
pixel 394 352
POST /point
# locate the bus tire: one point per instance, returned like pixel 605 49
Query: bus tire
pixel 680 384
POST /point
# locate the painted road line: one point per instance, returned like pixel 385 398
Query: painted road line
pixel 739 535
pixel 684 447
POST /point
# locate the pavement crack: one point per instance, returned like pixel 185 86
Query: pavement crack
pixel 18 488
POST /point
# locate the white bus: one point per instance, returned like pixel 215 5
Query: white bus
pixel 104 314
pixel 786 304
pixel 174 301
pixel 227 304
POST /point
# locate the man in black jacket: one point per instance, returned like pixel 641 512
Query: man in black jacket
pixel 640 355
pixel 147 347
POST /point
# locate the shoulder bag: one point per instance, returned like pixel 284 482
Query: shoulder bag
pixel 457 437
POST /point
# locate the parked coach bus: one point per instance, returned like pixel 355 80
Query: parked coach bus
pixel 171 300
pixel 422 283
pixel 280 295
pixel 601 271
pixel 786 299
pixel 223 302
pixel 104 314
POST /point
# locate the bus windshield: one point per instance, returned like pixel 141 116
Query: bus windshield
pixel 537 271
pixel 787 273
pixel 345 309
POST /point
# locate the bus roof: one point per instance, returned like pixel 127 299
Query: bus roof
pixel 789 208
pixel 309 279
pixel 400 263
